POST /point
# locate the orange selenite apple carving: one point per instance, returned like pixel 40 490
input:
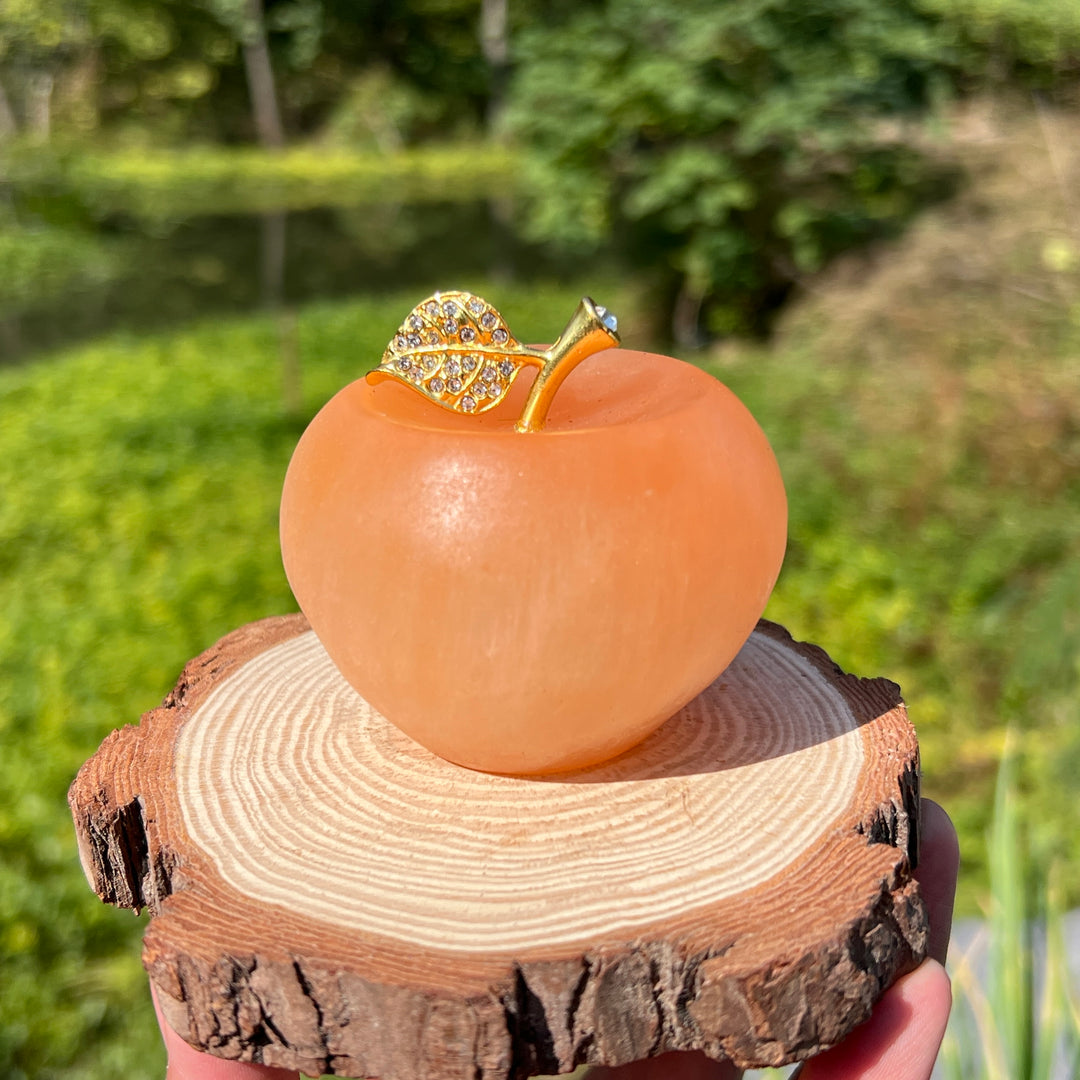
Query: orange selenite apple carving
pixel 537 602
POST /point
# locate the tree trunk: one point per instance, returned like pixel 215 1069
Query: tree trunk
pixel 273 231
pixel 10 339
pixel 8 125
pixel 260 79
pixel 686 318
pixel 39 105
pixel 495 45
pixel 292 373
pixel 267 116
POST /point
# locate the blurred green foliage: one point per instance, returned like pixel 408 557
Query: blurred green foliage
pixel 174 70
pixel 218 180
pixel 1010 41
pixel 1010 1022
pixel 925 407
pixel 736 143
pixel 731 149
pixel 43 263
pixel 912 555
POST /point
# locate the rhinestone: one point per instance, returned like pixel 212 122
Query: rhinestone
pixel 476 305
pixel 450 327
pixel 450 309
pixel 431 307
pixel 468 334
pixel 506 368
pixel 415 322
pixel 488 320
pixel 488 373
pixel 500 336
pixel 454 385
pixel 404 363
pixel 433 337
pixel 453 367
pixel 413 341
pixel 436 386
pixel 479 390
pixel 468 363
pixel 399 342
pixel 607 317
pixel 417 375
pixel 429 363
pixel 468 403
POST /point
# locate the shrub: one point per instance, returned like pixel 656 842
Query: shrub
pixel 738 144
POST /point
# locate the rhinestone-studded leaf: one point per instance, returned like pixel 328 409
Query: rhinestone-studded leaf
pixel 456 349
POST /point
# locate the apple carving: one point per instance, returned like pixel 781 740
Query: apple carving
pixel 522 582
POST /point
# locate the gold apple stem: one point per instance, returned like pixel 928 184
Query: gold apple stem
pixel 584 335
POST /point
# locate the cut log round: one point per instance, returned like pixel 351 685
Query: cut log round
pixel 327 895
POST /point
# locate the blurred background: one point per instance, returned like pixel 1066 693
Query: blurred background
pixel 862 215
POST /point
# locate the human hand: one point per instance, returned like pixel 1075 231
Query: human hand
pixel 899 1042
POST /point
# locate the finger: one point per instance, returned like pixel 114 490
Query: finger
pixel 187 1063
pixel 901 1040
pixel 677 1065
pixel 939 863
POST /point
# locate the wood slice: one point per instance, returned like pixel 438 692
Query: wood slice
pixel 329 896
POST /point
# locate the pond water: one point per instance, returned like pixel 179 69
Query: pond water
pixel 172 273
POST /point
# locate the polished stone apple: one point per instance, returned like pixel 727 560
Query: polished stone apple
pixel 541 601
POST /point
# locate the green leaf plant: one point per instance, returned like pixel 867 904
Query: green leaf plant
pixel 1005 1026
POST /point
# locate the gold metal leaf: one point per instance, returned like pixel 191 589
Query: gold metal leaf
pixel 456 349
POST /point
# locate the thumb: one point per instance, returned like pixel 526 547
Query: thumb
pixel 900 1041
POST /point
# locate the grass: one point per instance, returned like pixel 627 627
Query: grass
pixel 1006 1026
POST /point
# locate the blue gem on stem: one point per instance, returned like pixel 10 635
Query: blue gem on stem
pixel 607 317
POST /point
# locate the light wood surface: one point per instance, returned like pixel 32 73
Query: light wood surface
pixel 330 896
